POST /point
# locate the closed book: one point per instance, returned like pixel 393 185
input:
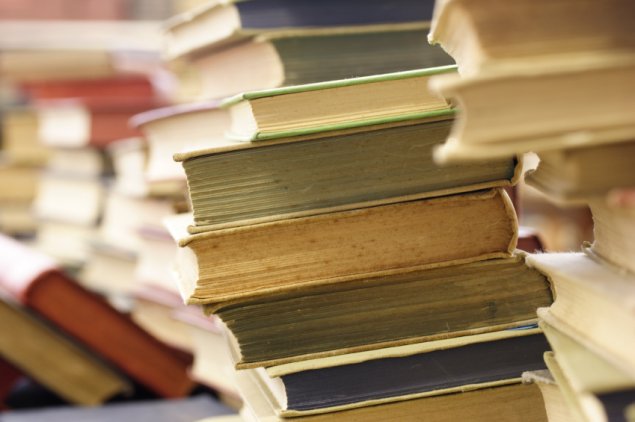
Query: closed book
pixel 598 389
pixel 301 56
pixel 179 128
pixel 34 280
pixel 53 360
pixel 581 175
pixel 376 312
pixel 515 402
pixel 593 303
pixel 320 108
pixel 20 143
pixel 243 262
pixel 218 24
pixel 267 181
pixel 614 234
pixel 481 35
pixel 579 103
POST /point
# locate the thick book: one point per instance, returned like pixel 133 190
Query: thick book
pixel 181 410
pixel 218 24
pixel 515 402
pixel 481 35
pixel 597 388
pixel 423 369
pixel 593 303
pixel 581 175
pixel 53 360
pixel 614 234
pixel 301 56
pixel 353 103
pixel 35 281
pixel 579 103
pixel 242 262
pixel 179 128
pixel 374 312
pixel 267 181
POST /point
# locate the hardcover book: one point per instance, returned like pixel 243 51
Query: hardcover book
pixel 515 402
pixel 421 370
pixel 295 178
pixel 593 304
pixel 35 281
pixel 579 103
pixel 374 312
pixel 53 360
pixel 217 24
pixel 482 35
pixel 243 262
pixel 354 103
pixel 581 175
pixel 301 56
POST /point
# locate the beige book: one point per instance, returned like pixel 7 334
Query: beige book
pixel 18 184
pixel 336 105
pixel 243 262
pixel 568 394
pixel 20 144
pixel 109 270
pixel 580 175
pixel 614 233
pixel 481 35
pixel 555 404
pixel 54 361
pixel 580 102
pixel 176 129
pixel 587 374
pixel 593 303
pixel 68 199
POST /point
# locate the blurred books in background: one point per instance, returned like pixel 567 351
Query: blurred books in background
pixel 246 199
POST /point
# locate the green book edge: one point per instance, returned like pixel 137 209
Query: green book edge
pixel 265 136
pixel 335 84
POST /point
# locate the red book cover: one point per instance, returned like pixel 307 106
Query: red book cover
pixel 36 282
pixel 123 87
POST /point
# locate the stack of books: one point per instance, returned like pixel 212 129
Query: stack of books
pixel 82 87
pixel 566 93
pixel 21 160
pixel 355 277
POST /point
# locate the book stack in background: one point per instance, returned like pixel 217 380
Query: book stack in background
pixel 82 87
pixel 22 158
pixel 323 235
pixel 549 85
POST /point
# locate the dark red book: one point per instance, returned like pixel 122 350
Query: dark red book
pixel 122 87
pixel 35 281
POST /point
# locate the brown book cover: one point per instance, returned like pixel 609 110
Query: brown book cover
pixel 35 281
